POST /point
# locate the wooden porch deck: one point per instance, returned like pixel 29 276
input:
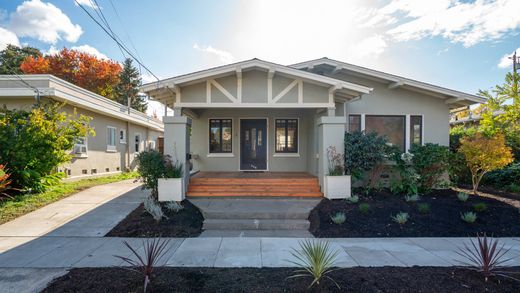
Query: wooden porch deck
pixel 254 184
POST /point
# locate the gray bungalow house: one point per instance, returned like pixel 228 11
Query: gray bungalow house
pixel 257 120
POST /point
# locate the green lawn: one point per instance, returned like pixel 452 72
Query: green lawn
pixel 23 204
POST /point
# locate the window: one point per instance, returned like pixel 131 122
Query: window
pixel 354 123
pixel 220 135
pixel 122 136
pixel 415 130
pixel 80 146
pixel 111 138
pixel 286 135
pixel 392 127
pixel 137 140
pixel 151 145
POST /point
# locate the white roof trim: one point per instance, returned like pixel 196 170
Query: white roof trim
pixel 390 77
pixel 89 101
pixel 232 68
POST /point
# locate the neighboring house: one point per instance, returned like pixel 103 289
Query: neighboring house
pixel 120 134
pixel 261 116
pixel 471 119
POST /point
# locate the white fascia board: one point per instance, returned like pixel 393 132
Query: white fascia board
pixel 231 69
pixel 391 78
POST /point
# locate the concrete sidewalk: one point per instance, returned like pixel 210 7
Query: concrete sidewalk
pixel 71 252
pixel 89 213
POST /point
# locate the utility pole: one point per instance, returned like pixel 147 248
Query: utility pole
pixel 515 68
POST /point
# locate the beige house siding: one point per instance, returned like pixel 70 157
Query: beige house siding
pixel 98 160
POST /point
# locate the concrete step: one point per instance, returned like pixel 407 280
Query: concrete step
pixel 254 193
pixel 219 214
pixel 257 233
pixel 255 224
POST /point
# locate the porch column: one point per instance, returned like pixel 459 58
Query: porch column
pixel 331 132
pixel 177 142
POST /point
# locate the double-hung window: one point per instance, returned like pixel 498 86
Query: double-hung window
pixel 416 126
pixel 111 139
pixel 354 123
pixel 286 135
pixel 220 136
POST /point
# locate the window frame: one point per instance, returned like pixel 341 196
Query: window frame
pixel 295 153
pixel 110 147
pixel 122 140
pixel 220 153
pixel 360 122
pixel 393 115
pixel 421 131
pixel 138 149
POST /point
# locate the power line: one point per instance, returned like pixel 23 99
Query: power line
pixel 116 40
pixel 101 15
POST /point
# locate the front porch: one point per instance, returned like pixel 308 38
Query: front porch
pixel 254 184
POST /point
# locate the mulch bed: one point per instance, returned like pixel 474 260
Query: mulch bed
pixel 383 279
pixel 443 220
pixel 139 223
pixel 494 191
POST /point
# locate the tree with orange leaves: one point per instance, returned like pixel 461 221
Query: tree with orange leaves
pixel 82 69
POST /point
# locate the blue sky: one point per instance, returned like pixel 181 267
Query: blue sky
pixel 456 44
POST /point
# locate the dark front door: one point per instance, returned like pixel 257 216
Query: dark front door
pixel 253 144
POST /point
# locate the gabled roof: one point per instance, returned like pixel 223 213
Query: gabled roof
pixel 50 86
pixel 455 97
pixel 252 64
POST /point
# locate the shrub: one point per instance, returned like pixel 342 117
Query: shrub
pixel 174 206
pixel 411 198
pixel 154 251
pixel 409 178
pixel 480 207
pixel 484 155
pixel 423 208
pixel 36 142
pixel 508 176
pixel 401 218
pixel 153 208
pixel 4 182
pixel 364 208
pixel 315 259
pixel 485 256
pixel 462 196
pixel 152 165
pixel 338 218
pixel 468 217
pixel 363 152
pixel 431 162
pixel 353 199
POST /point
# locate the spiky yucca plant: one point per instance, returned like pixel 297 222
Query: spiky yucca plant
pixel 154 251
pixel 485 255
pixel 315 259
pixel 338 218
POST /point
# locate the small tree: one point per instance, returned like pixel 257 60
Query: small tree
pixel 35 143
pixel 12 56
pixel 431 161
pixel 128 87
pixel 484 155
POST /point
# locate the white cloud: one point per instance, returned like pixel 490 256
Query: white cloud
pixel 457 21
pixel 7 37
pixel 369 47
pixel 88 3
pixel 90 50
pixel 52 50
pixel 506 62
pixel 43 21
pixel 223 56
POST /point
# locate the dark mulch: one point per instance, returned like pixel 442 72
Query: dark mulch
pixel 443 220
pixel 384 279
pixel 139 223
pixel 494 191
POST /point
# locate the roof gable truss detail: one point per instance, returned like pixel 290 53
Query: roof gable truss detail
pixel 218 86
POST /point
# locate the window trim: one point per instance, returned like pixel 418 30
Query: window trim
pixel 140 142
pixel 360 122
pixel 221 154
pixel 287 154
pixel 111 148
pixel 422 129
pixel 122 140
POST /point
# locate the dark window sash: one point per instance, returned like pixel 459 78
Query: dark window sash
pixel 219 124
pixel 284 124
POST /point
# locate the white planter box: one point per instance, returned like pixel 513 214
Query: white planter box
pixel 171 189
pixel 337 187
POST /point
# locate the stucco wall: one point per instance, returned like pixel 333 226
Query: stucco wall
pixel 404 102
pixel 98 157
pixel 200 139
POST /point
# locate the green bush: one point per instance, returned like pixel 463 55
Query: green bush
pixel 480 207
pixel 363 151
pixel 364 208
pixel 152 165
pixel 34 143
pixel 503 177
pixel 423 208
pixel 407 183
pixel 431 162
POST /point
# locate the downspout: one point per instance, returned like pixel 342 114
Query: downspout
pixel 127 167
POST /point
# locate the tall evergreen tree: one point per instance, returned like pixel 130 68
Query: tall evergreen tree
pixel 12 57
pixel 128 87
